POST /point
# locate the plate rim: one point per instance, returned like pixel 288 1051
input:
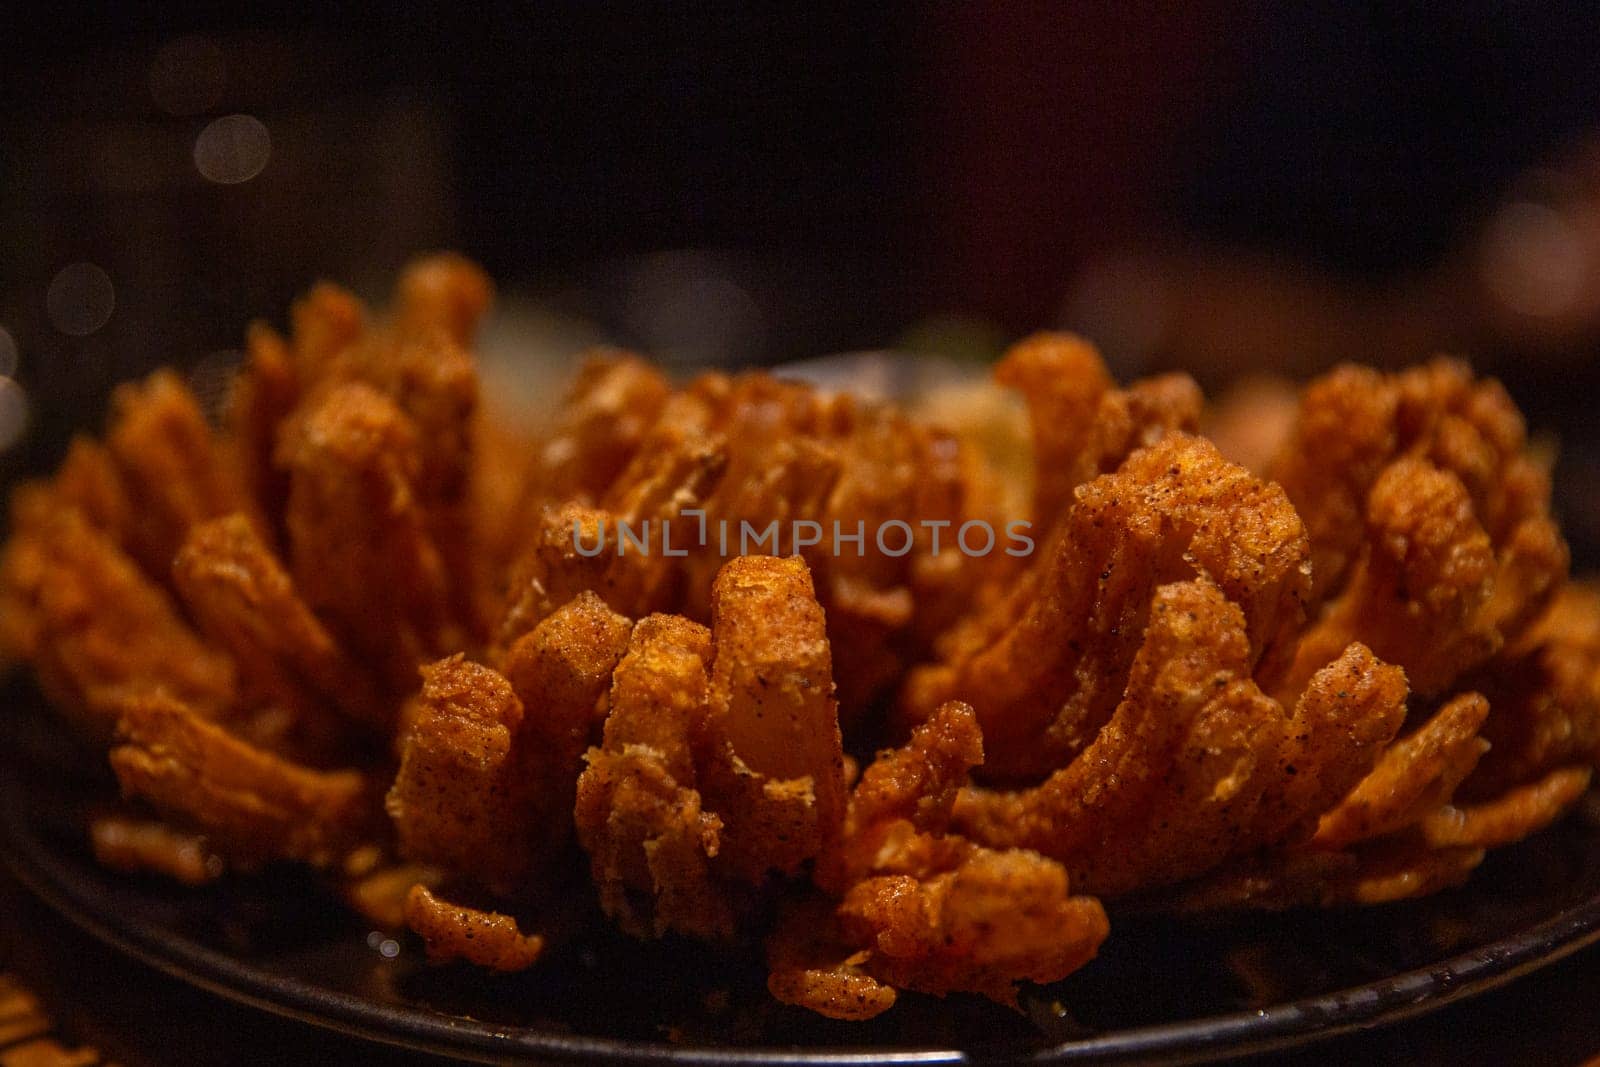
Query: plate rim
pixel 1307 1020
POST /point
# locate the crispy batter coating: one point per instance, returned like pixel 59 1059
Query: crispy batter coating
pixel 96 628
pixel 919 909
pixel 262 397
pixel 1544 698
pixel 574 548
pixel 245 601
pixel 1197 764
pixel 722 760
pixel 1047 681
pixel 1083 425
pixel 811 965
pixel 606 414
pixel 1384 872
pixel 773 760
pixel 252 805
pixel 561 671
pixel 755 463
pixel 992 920
pixel 361 550
pixel 1355 423
pixel 459 798
pixel 482 938
pixel 489 762
pixel 1420 592
pixel 1509 817
pixel 170 461
pixel 1337 683
pixel 890 468
pixel 639 815
pixel 1415 775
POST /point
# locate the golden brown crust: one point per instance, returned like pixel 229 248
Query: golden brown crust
pixel 170 461
pixel 262 397
pixel 1544 697
pixel 1196 765
pixel 97 628
pixel 1355 424
pixel 482 938
pixel 1509 817
pixel 606 414
pixel 1206 688
pixel 721 762
pixel 252 805
pixel 1415 775
pixel 562 671
pixel 639 815
pixel 245 601
pixel 1045 683
pixel 459 799
pixel 773 761
pixel 915 908
pixel 361 548
pixel 1083 425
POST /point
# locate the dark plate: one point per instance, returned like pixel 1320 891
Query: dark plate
pixel 1161 990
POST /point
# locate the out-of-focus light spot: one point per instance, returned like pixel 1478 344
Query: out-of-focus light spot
pixel 13 413
pixel 687 308
pixel 8 354
pixel 188 76
pixel 389 948
pixel 1534 260
pixel 80 299
pixel 232 149
pixel 211 380
pixel 374 939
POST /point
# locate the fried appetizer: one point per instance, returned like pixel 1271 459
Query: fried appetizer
pixel 721 763
pixel 501 684
pixel 752 463
pixel 639 813
pixel 1418 490
pixel 910 906
pixel 1544 697
pixel 1083 425
pixel 171 463
pixel 455 932
pixel 489 763
pixel 1047 680
pixel 97 628
pixel 244 601
pixel 1196 763
pixel 252 806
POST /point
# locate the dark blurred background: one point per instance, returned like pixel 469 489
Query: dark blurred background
pixel 1232 188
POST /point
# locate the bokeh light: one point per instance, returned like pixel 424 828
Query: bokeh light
pixel 13 413
pixel 1534 260
pixel 80 299
pixel 232 149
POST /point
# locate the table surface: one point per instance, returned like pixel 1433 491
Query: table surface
pixel 86 996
